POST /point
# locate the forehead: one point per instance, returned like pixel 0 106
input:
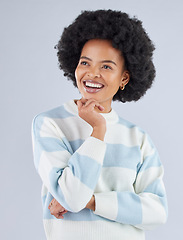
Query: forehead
pixel 99 49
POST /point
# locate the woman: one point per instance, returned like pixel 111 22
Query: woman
pixel 102 177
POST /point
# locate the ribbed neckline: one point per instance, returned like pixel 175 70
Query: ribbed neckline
pixel 111 117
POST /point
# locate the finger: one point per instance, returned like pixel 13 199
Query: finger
pixel 101 108
pixel 60 216
pixel 93 103
pixel 89 101
pixel 50 205
pixel 81 102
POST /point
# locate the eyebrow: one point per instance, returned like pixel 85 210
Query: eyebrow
pixel 103 61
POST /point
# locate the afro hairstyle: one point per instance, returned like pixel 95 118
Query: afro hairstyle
pixel 126 34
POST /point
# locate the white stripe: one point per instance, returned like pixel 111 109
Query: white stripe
pixel 49 128
pixel 153 212
pixel 146 177
pixel 50 160
pixel 44 169
pixel 102 203
pixel 116 178
pixel 58 159
pixel 76 194
pixel 93 148
pixel 74 128
pixel 130 137
pixel 146 149
pixel 91 230
pixel 44 191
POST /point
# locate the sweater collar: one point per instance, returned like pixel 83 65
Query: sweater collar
pixel 111 117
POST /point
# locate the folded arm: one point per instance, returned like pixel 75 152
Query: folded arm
pixel 67 175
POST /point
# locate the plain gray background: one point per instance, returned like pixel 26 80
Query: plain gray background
pixel 31 82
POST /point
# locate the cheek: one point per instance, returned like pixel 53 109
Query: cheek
pixel 79 73
pixel 114 79
pixel 76 73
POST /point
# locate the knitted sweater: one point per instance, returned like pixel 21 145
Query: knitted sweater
pixel 123 172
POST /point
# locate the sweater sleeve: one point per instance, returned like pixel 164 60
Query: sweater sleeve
pixel 146 206
pixel 69 176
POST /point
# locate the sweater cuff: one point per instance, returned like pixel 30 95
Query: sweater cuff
pixel 93 148
pixel 106 205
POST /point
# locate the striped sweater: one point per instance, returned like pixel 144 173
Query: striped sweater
pixel 123 172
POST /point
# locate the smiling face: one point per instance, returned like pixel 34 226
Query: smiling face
pixel 100 72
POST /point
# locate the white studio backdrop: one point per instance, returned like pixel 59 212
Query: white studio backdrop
pixel 31 82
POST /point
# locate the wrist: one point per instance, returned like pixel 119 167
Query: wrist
pixel 91 204
pixel 99 132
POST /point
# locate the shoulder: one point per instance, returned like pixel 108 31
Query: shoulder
pixel 134 132
pixel 50 117
pixel 130 126
pixel 59 112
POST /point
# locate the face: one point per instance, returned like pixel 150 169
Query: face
pixel 100 72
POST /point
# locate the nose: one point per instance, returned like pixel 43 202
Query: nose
pixel 94 72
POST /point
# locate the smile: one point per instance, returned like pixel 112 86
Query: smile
pixel 92 87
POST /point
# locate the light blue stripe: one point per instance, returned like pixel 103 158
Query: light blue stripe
pixel 165 204
pixel 46 201
pixel 118 155
pixel 125 123
pixel 83 215
pixel 155 188
pixel 54 175
pixel 78 165
pixel 150 161
pixel 129 208
pixel 49 144
pixel 76 144
pixel 57 113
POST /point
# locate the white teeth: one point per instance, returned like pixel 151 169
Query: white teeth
pixel 94 85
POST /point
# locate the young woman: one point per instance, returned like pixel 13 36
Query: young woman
pixel 102 176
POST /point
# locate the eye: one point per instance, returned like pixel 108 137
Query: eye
pixel 84 63
pixel 107 67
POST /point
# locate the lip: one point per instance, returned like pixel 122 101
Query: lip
pixel 90 89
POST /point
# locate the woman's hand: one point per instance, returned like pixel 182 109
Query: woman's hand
pixel 56 209
pixel 87 110
pixel 91 204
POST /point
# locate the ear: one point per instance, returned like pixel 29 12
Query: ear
pixel 125 78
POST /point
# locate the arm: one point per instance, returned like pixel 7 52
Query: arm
pixel 67 176
pixel 58 211
pixel 144 208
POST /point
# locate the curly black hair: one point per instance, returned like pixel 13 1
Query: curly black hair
pixel 126 34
